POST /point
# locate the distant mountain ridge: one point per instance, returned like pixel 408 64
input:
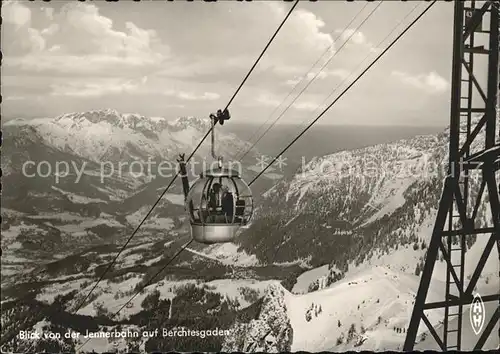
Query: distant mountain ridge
pixel 112 136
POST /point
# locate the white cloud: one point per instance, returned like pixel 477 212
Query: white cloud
pixel 86 32
pixel 52 29
pixel 305 31
pixel 76 56
pixel 270 101
pixel 339 73
pixel 49 12
pixel 99 87
pixel 300 41
pixel 14 98
pixel 355 40
pixel 305 106
pixel 16 14
pixel 94 89
pixel 267 100
pixel 17 20
pixel 224 54
pixel 206 96
pixel 356 37
pixel 213 67
pixel 431 82
pixel 77 39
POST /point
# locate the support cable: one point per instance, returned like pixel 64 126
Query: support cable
pixel 378 45
pixel 361 63
pixel 289 145
pixel 188 159
pixel 148 283
pixel 385 51
pixel 305 76
pixel 346 89
pixel 316 75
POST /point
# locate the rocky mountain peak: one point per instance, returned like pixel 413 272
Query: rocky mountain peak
pixel 182 123
pixel 270 332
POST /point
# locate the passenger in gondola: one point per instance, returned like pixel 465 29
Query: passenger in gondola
pixel 214 200
pixel 193 212
pixel 240 210
pixel 204 213
pixel 228 205
pixel 214 205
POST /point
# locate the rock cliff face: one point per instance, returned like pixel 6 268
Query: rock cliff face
pixel 270 332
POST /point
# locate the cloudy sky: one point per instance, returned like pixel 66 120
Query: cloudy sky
pixel 176 58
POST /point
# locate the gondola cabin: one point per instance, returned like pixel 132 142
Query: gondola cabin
pixel 219 203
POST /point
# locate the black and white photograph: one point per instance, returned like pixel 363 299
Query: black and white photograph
pixel 250 176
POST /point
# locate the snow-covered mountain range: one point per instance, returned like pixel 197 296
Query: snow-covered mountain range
pixel 351 205
pixel 107 135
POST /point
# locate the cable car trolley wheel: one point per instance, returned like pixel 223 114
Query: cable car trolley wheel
pixel 219 203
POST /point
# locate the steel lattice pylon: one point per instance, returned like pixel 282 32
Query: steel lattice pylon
pixel 475 35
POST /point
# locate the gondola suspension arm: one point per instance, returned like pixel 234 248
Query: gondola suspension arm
pixel 219 118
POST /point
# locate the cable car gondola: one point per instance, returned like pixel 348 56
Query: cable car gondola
pixel 219 202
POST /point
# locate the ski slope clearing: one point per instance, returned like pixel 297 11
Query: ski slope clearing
pixel 374 301
pixel 306 278
pixel 228 254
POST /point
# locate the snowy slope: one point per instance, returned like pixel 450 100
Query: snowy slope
pixel 382 279
pixel 374 304
pixel 229 254
pixel 359 300
pixel 376 300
